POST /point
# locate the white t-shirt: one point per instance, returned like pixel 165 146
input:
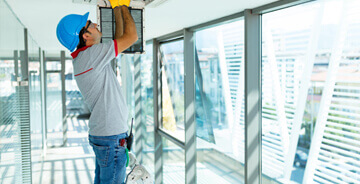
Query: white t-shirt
pixel 100 88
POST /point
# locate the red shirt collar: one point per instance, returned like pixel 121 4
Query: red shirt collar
pixel 75 53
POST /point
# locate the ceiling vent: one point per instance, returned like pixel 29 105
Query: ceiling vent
pixel 94 2
pixel 155 3
pixel 133 3
pixel 106 21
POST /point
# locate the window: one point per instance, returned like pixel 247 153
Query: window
pixel 220 103
pixel 311 135
pixel 172 71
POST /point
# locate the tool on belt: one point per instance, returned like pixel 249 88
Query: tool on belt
pixel 130 138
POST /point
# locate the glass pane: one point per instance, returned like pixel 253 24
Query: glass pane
pixel 54 109
pixel 220 103
pixel 172 71
pixel 310 122
pixel 11 35
pixel 174 163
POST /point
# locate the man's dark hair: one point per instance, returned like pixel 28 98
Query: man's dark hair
pixel 82 42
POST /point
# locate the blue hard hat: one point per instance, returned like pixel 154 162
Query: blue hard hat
pixel 68 30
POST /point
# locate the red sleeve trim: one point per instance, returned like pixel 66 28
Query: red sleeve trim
pixel 83 72
pixel 116 48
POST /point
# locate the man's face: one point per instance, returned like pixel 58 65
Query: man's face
pixel 93 35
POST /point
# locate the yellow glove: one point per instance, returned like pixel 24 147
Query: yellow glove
pixel 124 3
pixel 114 3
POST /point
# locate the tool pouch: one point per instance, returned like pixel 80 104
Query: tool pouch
pixel 129 141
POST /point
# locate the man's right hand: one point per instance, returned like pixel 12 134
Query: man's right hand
pixel 114 3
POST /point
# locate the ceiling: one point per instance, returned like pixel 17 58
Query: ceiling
pixel 41 16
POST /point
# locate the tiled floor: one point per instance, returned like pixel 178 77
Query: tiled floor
pixel 74 163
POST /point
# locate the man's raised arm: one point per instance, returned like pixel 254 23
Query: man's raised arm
pixel 119 29
pixel 124 23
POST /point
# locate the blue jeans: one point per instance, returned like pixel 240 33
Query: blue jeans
pixel 110 159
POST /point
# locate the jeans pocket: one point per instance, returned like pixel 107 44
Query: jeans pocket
pixel 119 152
pixel 102 154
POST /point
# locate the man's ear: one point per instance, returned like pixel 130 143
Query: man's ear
pixel 86 36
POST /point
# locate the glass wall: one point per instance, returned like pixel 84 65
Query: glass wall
pixel 310 98
pixel 219 64
pixel 15 163
pixel 310 77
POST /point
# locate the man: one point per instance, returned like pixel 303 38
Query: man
pixel 99 86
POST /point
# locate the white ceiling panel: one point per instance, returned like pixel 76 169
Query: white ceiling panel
pixel 41 16
pixel 174 15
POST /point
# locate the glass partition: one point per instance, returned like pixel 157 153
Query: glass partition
pixel 14 154
pixel 219 64
pixel 310 77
